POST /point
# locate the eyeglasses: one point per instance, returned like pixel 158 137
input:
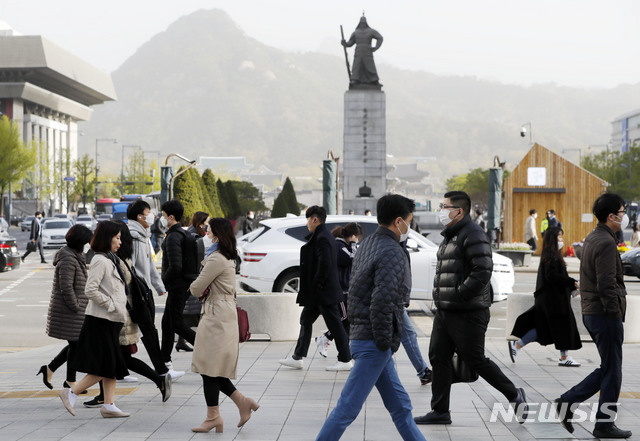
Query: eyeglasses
pixel 448 206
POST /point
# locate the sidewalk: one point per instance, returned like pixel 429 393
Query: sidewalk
pixel 573 265
pixel 295 403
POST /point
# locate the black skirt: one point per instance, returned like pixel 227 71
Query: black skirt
pixel 98 350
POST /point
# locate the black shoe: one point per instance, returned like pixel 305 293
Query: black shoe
pixel 165 387
pixel 67 385
pixel 43 261
pixel 566 416
pixel 96 402
pixel 22 259
pixel 45 378
pixel 426 377
pixel 434 417
pixel 611 432
pixel 521 402
pixel 183 346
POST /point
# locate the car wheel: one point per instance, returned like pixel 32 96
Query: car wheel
pixel 3 263
pixel 288 282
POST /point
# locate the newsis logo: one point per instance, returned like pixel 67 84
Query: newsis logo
pixel 546 413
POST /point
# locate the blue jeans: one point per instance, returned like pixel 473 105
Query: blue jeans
pixel 372 367
pixel 410 345
pixel 608 335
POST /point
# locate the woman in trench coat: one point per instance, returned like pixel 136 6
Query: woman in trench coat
pixel 551 318
pixel 215 352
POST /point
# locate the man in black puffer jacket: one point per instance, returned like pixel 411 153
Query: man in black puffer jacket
pixel 377 295
pixel 461 291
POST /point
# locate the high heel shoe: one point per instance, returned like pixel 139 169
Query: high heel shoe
pixel 213 421
pixel 46 376
pixel 183 346
pixel 245 406
pixel 70 385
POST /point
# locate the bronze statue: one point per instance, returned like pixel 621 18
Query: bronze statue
pixel 363 73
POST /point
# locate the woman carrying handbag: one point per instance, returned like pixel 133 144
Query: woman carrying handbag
pixel 215 352
pixel 551 318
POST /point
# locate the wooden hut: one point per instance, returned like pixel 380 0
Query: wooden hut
pixel 544 180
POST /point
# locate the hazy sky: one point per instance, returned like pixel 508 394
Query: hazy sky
pixel 587 43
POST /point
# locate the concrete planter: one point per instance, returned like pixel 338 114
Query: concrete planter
pixel 519 257
pixel 274 314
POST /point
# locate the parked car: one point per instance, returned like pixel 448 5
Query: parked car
pixel 103 217
pixel 87 221
pixel 16 219
pixel 26 223
pixel 9 255
pixel 631 262
pixel 271 257
pixel 53 232
pixel 64 216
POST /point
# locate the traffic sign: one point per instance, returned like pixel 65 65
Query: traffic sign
pixel 69 179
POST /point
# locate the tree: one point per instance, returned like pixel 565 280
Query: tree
pixel 210 186
pixel 286 201
pixel 16 160
pixel 137 175
pixel 613 167
pixel 249 197
pixel 232 199
pixel 475 184
pixel 85 178
pixel 222 196
pixel 186 190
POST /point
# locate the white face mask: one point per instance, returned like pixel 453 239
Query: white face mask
pixel 625 221
pixel 206 240
pixel 164 222
pixel 87 247
pixel 535 215
pixel 444 217
pixel 404 236
pixel 149 219
pixel 560 245
pixel 250 216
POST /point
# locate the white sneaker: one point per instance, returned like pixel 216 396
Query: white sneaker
pixel 128 379
pixel 175 374
pixel 568 362
pixel 292 363
pixel 322 343
pixel 341 366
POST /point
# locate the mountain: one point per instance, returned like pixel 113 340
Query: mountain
pixel 203 87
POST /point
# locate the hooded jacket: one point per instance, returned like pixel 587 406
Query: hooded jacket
pixel 463 271
pixel 142 258
pixel 68 300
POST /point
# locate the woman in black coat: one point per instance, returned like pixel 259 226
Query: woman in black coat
pixel 551 318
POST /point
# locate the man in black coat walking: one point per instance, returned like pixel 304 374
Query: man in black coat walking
pixel 36 236
pixel 320 292
pixel 461 291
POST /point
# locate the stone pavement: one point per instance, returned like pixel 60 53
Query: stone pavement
pixel 295 403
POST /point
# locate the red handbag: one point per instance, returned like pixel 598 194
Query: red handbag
pixel 243 324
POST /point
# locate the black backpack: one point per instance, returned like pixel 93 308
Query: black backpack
pixel 192 255
pixel 142 308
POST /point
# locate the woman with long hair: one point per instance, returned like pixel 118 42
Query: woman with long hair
pixel 68 302
pixel 192 307
pixel 551 318
pixel 215 352
pixel 98 353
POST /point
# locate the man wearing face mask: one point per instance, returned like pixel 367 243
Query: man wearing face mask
pixel 140 220
pixel 247 224
pixel 604 305
pixel 461 291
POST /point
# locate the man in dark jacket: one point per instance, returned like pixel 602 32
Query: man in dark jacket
pixel 461 291
pixel 176 276
pixel 377 295
pixel 320 292
pixel 247 224
pixel 36 236
pixel 604 306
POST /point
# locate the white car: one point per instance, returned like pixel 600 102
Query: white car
pixel 271 257
pixel 53 232
pixel 88 221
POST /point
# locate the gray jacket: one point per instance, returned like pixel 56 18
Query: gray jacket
pixel 378 290
pixel 141 257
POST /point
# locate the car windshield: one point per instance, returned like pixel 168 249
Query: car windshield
pixel 56 225
pixel 84 218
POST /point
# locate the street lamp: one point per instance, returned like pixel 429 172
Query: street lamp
pixel 113 140
pixel 122 166
pixel 579 154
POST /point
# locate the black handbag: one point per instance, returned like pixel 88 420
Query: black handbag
pixel 462 373
pixel 32 247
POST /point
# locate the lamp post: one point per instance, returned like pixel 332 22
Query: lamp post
pixel 579 154
pixel 113 140
pixel 122 164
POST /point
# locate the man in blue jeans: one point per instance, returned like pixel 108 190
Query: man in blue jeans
pixel 604 306
pixel 378 293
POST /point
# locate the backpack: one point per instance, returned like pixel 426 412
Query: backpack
pixel 191 256
pixel 142 308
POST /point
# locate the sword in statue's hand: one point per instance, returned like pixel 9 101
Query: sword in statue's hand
pixel 346 57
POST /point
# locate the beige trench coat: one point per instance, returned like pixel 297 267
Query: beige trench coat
pixel 215 352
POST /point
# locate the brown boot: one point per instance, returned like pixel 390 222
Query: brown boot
pixel 245 406
pixel 213 420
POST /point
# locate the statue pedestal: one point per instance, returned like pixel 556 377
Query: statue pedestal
pixel 365 149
